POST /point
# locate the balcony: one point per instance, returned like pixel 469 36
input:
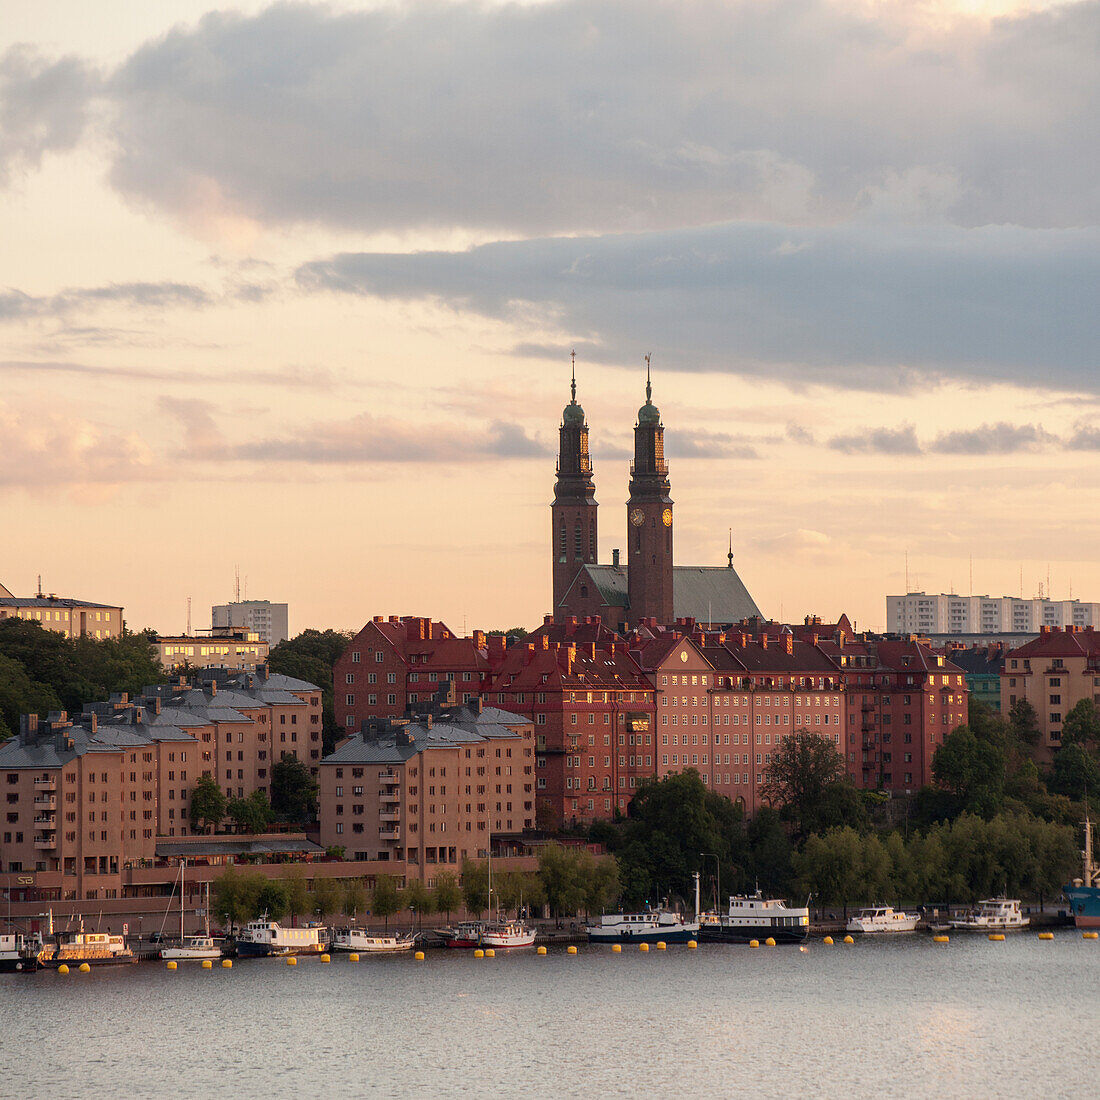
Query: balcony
pixel 388 777
pixel 45 843
pixel 393 832
pixel 49 784
pixel 44 821
pixel 389 815
pixel 389 796
pixel 45 801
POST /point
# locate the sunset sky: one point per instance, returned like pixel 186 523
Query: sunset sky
pixel 293 288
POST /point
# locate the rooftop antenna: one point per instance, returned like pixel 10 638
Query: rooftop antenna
pixel 907 588
pixel 1048 580
pixel 730 554
pixel 648 387
pixel 236 584
pixel 1021 581
pixel 573 383
pixel 188 616
pixel 40 586
pixel 971 574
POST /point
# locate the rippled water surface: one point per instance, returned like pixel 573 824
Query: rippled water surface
pixel 888 1019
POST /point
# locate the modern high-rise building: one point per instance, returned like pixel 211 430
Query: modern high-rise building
pixel 947 613
pixel 268 620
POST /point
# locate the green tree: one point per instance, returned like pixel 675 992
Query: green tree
pixel 252 814
pixel 448 894
pixel 972 769
pixel 328 897
pixel 354 899
pixel 19 694
pixel 293 790
pixel 310 656
pixel 475 886
pixel 1074 771
pixel 1082 724
pixel 272 900
pixel 803 769
pixel 1024 722
pixel 385 899
pixel 768 863
pixel 208 804
pixel 562 879
pixel 299 901
pixel 601 885
pixel 417 897
pixel 235 897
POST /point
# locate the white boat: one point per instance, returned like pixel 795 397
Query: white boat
pixel 882 918
pixel 652 926
pixel 508 933
pixel 193 947
pixel 992 915
pixel 358 939
pixel 268 937
pixel 73 948
pixel 755 917
pixel 19 952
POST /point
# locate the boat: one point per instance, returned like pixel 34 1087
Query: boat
pixel 755 917
pixel 267 937
pixel 507 933
pixel 1083 894
pixel 359 939
pixel 465 934
pixel 193 947
pixel 19 952
pixel 75 947
pixel 652 926
pixel 882 918
pixel 992 915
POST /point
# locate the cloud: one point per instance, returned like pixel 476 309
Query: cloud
pixel 883 441
pixel 860 306
pixel 17 306
pixel 288 377
pixel 697 443
pixel 202 436
pixel 989 439
pixel 1085 437
pixel 796 433
pixel 591 115
pixel 43 108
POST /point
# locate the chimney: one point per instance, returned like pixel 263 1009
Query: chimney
pixel 763 641
pixel 597 620
pixel 479 639
pixel 614 559
pixel 545 638
pixel 789 639
pixel 378 619
pixel 547 620
pixel 94 724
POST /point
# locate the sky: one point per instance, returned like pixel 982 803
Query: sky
pixel 292 289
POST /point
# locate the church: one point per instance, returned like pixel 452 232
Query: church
pixel 649 586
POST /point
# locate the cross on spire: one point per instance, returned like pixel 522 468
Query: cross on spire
pixel 573 384
pixel 730 555
pixel 648 387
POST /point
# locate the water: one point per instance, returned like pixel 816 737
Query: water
pixel 881 1018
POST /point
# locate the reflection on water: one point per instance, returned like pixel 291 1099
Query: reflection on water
pixel 877 1018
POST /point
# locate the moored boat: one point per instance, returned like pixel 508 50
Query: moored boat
pixel 508 933
pixel 882 919
pixel 193 947
pixel 652 926
pixel 19 952
pixel 267 937
pixel 360 940
pixel 465 934
pixel 755 917
pixel 93 948
pixel 1083 894
pixel 992 915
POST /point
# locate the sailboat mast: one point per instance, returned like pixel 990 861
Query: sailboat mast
pixel 183 865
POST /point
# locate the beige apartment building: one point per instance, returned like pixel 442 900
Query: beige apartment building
pixel 430 791
pixel 73 618
pixel 1053 673
pixel 228 648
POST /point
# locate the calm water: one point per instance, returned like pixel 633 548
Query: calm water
pixel 885 1019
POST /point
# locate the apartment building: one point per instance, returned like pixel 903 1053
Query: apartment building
pixel 268 621
pixel 950 614
pixel 222 648
pixel 71 617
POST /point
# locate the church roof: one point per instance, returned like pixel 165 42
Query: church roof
pixel 708 594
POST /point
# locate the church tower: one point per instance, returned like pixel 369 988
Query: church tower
pixel 649 518
pixel 574 509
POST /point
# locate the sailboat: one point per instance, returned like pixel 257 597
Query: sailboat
pixel 193 947
pixel 503 933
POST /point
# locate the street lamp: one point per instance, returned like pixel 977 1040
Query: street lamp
pixel 718 879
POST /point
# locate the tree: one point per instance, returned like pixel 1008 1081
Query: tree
pixel 208 804
pixel 252 814
pixel 272 900
pixel 327 896
pixel 1082 724
pixel 602 886
pixel 354 897
pixel 1024 722
pixel 475 886
pixel 417 897
pixel 802 771
pixel 20 695
pixel 448 894
pixel 299 901
pixel 972 769
pixel 310 656
pixel 385 899
pixel 293 790
pixel 235 896
pixel 1074 771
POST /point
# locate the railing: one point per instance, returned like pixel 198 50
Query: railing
pixel 389 815
pixel 388 777
pixel 392 833
pixel 49 784
pixel 46 801
pixel 48 822
pixel 45 843
pixel 390 796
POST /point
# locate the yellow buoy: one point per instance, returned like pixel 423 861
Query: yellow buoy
pixel 325 959
pixel 692 944
pixel 643 947
pixel 1090 935
pixel 227 964
pixel 84 968
pixel 479 954
pixel 571 950
pixel 353 957
pixel 769 942
pixel 996 936
pixel 661 946
pixel 540 950
pixel 490 953
pixel 848 939
pixel 419 956
pixel 62 969
pixel 754 943
pixel 291 960
pixel 1046 935
pixel 828 941
pixel 207 964
pixel 617 948
pixel 941 939
pixel 171 964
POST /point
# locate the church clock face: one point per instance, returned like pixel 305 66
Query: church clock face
pixel 666 517
pixel 637 517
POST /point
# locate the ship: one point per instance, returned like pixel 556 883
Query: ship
pixel 359 939
pixel 651 926
pixel 755 917
pixel 465 934
pixel 1083 894
pixel 882 919
pixel 76 947
pixel 267 937
pixel 992 915
pixel 507 933
pixel 19 952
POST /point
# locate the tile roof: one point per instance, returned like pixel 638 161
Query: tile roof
pixel 705 593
